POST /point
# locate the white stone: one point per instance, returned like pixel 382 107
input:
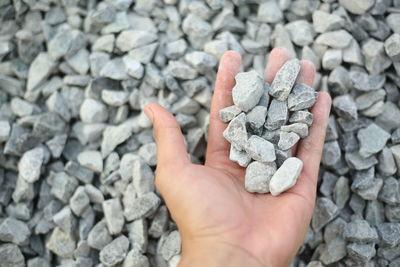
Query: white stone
pixel 286 176
pixel 91 159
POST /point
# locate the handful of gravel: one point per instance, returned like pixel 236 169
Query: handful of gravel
pixel 265 122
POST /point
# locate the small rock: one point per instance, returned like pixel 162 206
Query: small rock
pixel 79 201
pixel 30 164
pixel 325 211
pixel 287 140
pixel 171 245
pixel 334 251
pixel 277 115
pixel 65 220
pixel 248 90
pixel 10 255
pixel 181 70
pixel 135 259
pixel 284 80
pixel 286 176
pixel 99 236
pixel 258 176
pixel 301 116
pixel 240 157
pixel 362 253
pixel 131 39
pixel 260 149
pixel 341 192
pixel 61 243
pixel 115 135
pixel 256 117
pixel 114 216
pixel 302 97
pixel 345 107
pixel 301 32
pixel 269 12
pixel 392 47
pixel 114 252
pixel 360 231
pixel 227 114
pixel 335 39
pixel 91 159
pixel 133 67
pixel 114 69
pixel 15 231
pixel 39 71
pixel 300 129
pixel 114 98
pixel 390 191
pixel 372 140
pixel 5 130
pixel 358 7
pixel 92 111
pixel 63 186
pixel 138 235
pixel 389 234
pixel 236 132
pixel 141 207
pixel 325 22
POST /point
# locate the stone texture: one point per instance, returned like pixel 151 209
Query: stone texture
pixel 285 79
pixel 260 149
pixel 248 90
pixel 372 140
pixel 258 176
pixel 286 176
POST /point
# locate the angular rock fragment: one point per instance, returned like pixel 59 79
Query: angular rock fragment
pixel 114 252
pixel 285 79
pixel 236 132
pixel 30 164
pixel 260 149
pixel 241 157
pixel 258 176
pixel 325 211
pixel 277 115
pixel 345 107
pixel 286 176
pixel 360 231
pixel 301 97
pixel 61 243
pixel 287 140
pixel 256 117
pixel 372 140
pixel 227 114
pixel 248 90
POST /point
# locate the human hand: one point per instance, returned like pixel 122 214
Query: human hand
pixel 221 224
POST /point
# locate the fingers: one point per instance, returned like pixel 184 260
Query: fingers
pixel 310 149
pixel 276 59
pixel 229 66
pixel 171 148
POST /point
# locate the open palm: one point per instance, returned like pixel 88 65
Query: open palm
pixel 209 203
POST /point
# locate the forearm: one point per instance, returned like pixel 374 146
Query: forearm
pixel 218 256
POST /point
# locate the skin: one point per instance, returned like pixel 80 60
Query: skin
pixel 220 223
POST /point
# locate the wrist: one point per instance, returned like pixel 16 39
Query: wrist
pixel 217 255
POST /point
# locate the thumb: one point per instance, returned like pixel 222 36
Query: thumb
pixel 171 149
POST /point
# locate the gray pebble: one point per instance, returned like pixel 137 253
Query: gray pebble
pixel 260 149
pixel 15 231
pixel 258 176
pixel 345 107
pixel 30 164
pixel 256 117
pixel 277 115
pixel 325 211
pixel 285 79
pixel 79 201
pixel 114 252
pixel 61 243
pixel 236 132
pixel 227 114
pixel 287 140
pixel 360 231
pixel 240 157
pixel 372 140
pixel 248 90
pixel 301 97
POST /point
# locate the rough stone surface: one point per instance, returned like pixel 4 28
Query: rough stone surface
pixel 248 90
pixel 260 149
pixel 258 176
pixel 372 140
pixel 115 252
pixel 286 176
pixel 285 79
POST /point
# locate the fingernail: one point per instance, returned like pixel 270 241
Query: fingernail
pixel 149 113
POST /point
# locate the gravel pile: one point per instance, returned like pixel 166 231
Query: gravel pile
pixel 266 120
pixel 78 157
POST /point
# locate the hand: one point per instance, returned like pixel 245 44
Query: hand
pixel 221 224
